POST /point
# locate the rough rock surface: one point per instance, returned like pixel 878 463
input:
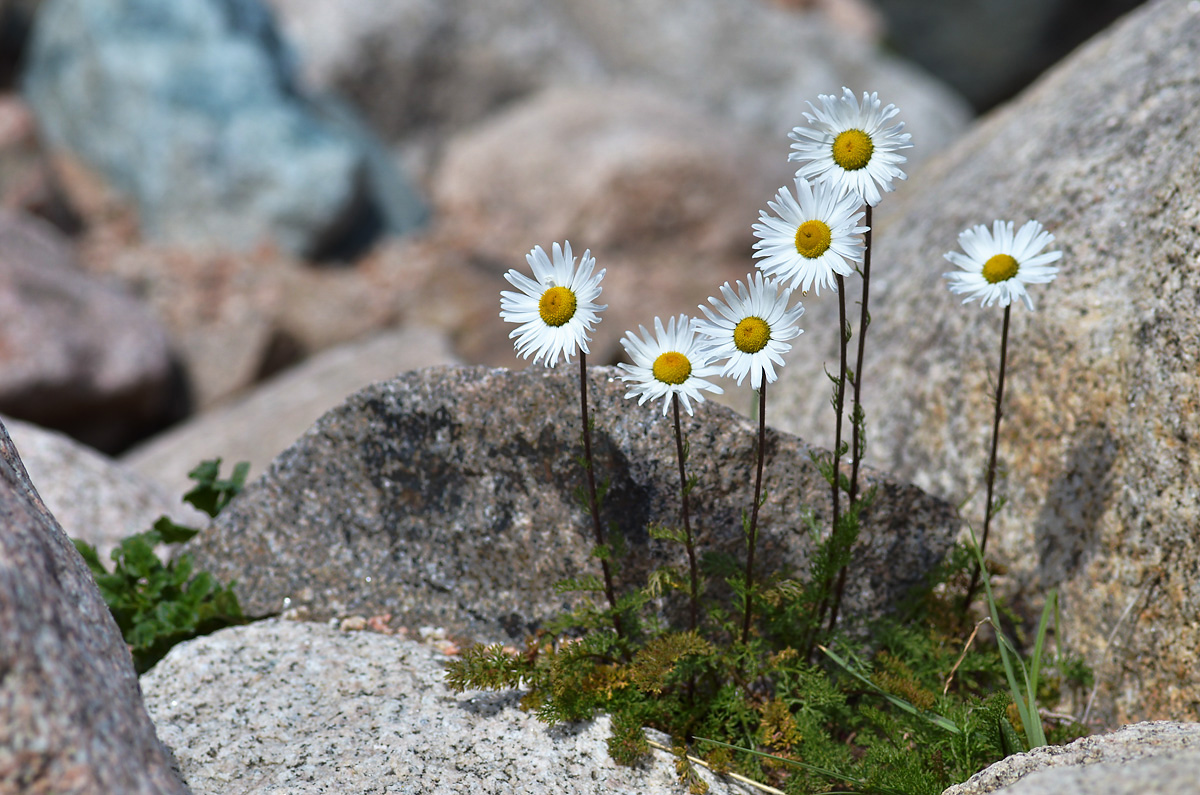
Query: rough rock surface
pixel 1098 445
pixel 304 708
pixel 71 715
pixel 75 354
pixel 93 497
pixel 200 93
pixel 1160 774
pixel 1156 758
pixel 446 497
pixel 263 423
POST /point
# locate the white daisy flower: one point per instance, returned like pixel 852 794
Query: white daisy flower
pixel 672 362
pixel 849 145
pixel 998 264
pixel 811 238
pixel 750 329
pixel 556 308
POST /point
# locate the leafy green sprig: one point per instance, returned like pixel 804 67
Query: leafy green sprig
pixel 157 602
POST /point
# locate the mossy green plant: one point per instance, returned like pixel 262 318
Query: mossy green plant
pixel 878 716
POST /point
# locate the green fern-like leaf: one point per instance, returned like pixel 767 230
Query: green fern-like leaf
pixel 489 667
pixel 653 665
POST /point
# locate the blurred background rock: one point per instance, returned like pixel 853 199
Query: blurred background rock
pixel 258 181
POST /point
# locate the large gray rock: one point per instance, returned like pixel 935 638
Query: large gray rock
pixel 1098 450
pixel 1159 758
pixel 75 353
pixel 446 497
pixel 93 497
pixel 421 65
pixel 263 423
pixel 192 108
pixel 304 709
pixel 71 714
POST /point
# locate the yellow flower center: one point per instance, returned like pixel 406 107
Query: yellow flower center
pixel 1000 268
pixel 751 335
pixel 813 239
pixel 672 368
pixel 852 149
pixel 557 306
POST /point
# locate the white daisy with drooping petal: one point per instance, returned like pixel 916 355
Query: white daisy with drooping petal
pixel 811 238
pixel 999 264
pixel 671 362
pixel 749 328
pixel 557 308
pixel 851 146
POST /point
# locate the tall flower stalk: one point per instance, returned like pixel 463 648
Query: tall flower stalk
pixel 858 444
pixel 748 328
pixel 672 362
pixel 689 541
pixel 593 500
pixel 995 268
pixel 851 147
pixel 556 311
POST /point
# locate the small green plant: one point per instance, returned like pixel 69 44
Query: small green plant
pixel 914 711
pixel 159 603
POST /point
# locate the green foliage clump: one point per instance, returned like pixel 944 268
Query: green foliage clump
pixel 909 706
pixel 159 603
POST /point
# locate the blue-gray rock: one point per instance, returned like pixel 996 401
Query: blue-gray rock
pixel 192 109
pixel 71 713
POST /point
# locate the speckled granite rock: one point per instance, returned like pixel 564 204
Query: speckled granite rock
pixel 1158 758
pixel 1102 396
pixel 301 708
pixel 446 497
pixel 71 715
pixel 1173 773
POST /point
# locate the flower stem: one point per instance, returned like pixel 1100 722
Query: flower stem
pixel 991 471
pixel 687 525
pixel 857 444
pixel 752 539
pixel 839 402
pixel 594 503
